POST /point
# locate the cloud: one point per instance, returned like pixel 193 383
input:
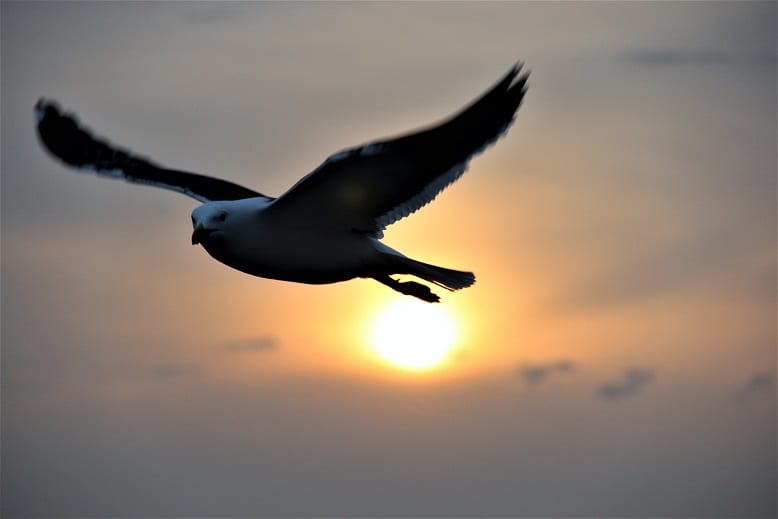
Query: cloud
pixel 257 344
pixel 760 382
pixel 634 380
pixel 212 13
pixel 168 371
pixel 687 57
pixel 537 373
pixel 663 264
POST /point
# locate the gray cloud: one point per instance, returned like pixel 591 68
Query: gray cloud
pixel 536 373
pixel 257 344
pixel 633 381
pixel 687 57
pixel 171 370
pixel 661 266
pixel 213 13
pixel 250 451
pixel 759 382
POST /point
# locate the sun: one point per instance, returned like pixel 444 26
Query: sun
pixel 413 335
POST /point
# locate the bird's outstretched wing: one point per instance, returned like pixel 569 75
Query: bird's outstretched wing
pixel 372 186
pixel 75 145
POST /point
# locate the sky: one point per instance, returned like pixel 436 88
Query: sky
pixel 617 355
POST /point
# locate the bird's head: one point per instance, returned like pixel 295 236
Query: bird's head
pixel 210 221
pixel 216 223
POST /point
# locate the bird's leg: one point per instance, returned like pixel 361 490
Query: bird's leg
pixel 409 288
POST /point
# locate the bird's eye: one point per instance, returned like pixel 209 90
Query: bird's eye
pixel 222 217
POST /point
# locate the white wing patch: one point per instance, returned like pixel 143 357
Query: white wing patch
pixel 431 190
pixel 40 112
pixel 423 197
pixel 120 173
pixel 180 189
pixel 115 173
pixel 365 150
pixel 335 157
pixel 370 149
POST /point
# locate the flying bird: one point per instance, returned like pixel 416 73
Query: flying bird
pixel 327 227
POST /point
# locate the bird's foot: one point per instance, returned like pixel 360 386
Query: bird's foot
pixel 409 288
pixel 412 288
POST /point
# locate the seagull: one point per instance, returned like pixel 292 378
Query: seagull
pixel 327 227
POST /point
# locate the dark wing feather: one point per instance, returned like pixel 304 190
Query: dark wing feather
pixel 369 187
pixel 75 145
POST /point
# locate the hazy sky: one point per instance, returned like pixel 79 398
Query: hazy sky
pixel 618 352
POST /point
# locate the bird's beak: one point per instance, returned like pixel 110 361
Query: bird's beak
pixel 200 234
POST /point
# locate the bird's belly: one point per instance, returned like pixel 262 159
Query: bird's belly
pixel 304 256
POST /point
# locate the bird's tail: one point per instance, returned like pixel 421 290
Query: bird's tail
pixel 449 279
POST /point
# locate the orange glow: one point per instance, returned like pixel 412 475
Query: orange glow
pixel 413 335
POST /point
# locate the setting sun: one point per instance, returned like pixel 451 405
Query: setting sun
pixel 413 335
